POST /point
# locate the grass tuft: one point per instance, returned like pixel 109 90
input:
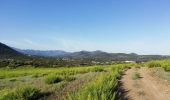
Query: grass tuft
pixel 69 78
pixel 24 93
pixel 13 80
pixel 135 75
pixel 51 79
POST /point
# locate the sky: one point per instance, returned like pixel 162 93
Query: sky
pixel 117 26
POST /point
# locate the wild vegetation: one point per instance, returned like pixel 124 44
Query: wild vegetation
pixel 72 78
pixel 70 83
pixel 105 87
pixel 160 68
pixel 135 75
pixel 160 63
pixel 52 80
pixel 22 93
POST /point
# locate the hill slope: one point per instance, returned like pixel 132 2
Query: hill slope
pixel 7 52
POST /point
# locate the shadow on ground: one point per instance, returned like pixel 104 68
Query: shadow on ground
pixel 122 93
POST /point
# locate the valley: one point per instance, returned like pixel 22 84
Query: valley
pixel 84 76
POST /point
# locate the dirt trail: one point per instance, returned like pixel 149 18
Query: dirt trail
pixel 145 88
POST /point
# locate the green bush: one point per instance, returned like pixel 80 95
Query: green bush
pixel 97 69
pixel 160 63
pixel 69 78
pixel 60 85
pixel 167 68
pixel 24 93
pixel 3 63
pixel 135 75
pixel 13 80
pixel 35 76
pixel 50 79
pixel 154 64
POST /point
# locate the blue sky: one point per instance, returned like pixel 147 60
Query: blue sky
pixel 140 26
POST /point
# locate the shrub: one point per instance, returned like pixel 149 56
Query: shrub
pixel 24 93
pixel 13 80
pixel 167 68
pixel 35 76
pixel 102 88
pixel 3 63
pixel 69 78
pixel 50 79
pixel 60 85
pixel 135 75
pixel 161 63
pixel 97 69
pixel 154 64
pixel 137 66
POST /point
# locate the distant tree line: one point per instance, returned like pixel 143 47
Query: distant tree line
pixel 36 61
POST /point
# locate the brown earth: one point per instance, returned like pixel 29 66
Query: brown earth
pixel 148 87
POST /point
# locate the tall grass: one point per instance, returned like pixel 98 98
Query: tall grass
pixel 52 78
pixel 9 73
pixel 160 63
pixel 23 93
pixel 103 88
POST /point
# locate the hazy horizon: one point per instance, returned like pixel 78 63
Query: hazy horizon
pixel 81 50
pixel 119 26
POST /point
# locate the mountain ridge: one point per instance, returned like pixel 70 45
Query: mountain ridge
pixel 45 53
pixel 62 53
pixel 98 55
pixel 8 52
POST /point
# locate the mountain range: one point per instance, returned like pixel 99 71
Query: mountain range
pixel 9 52
pixel 47 53
pixel 79 54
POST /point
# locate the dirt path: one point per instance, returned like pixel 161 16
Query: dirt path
pixel 145 88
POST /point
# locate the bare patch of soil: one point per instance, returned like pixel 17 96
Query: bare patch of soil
pixel 145 88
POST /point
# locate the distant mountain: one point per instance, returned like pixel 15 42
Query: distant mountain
pixel 48 53
pixel 100 55
pixel 104 56
pixel 7 52
pixel 13 57
pixel 84 54
pixel 92 55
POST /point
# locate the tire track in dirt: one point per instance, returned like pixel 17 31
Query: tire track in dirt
pixel 145 88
